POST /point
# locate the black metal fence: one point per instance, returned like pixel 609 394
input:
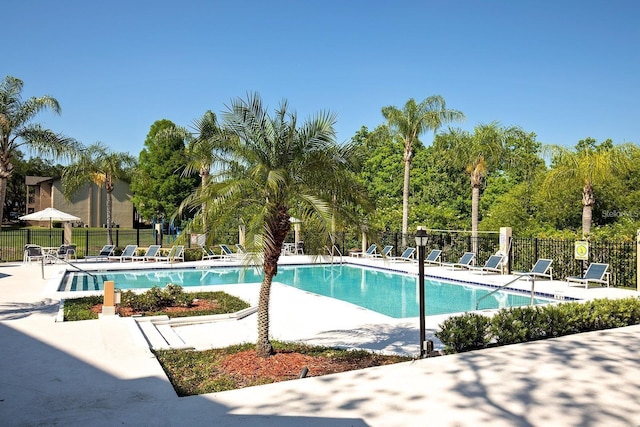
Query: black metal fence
pixel 620 255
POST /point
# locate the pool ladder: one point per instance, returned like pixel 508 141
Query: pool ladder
pixel 507 284
pixel 334 252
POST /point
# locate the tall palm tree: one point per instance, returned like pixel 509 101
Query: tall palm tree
pixel 409 123
pixel 203 151
pixel 273 169
pixel 97 164
pixel 17 130
pixel 589 165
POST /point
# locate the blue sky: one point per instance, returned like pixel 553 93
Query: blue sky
pixel 565 70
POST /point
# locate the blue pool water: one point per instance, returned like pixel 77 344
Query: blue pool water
pixel 390 293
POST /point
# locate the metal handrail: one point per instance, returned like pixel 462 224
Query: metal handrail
pixel 504 286
pixel 55 258
pixel 332 252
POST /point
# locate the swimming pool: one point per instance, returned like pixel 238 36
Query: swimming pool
pixel 390 293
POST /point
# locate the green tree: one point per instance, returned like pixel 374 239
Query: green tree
pixel 409 123
pixel 277 168
pixel 17 130
pixel 157 185
pixel 589 165
pixel 99 165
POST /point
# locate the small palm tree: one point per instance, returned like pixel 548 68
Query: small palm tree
pixel 590 166
pixel 17 130
pixel 409 123
pixel 102 167
pixel 274 168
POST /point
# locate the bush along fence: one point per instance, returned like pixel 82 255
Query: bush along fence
pixel 472 331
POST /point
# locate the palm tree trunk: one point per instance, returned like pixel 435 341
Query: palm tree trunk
pixel 475 203
pixel 588 200
pixel 3 194
pixel 405 198
pixel 263 346
pixel 109 217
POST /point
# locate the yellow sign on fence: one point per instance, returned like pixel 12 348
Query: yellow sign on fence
pixel 581 251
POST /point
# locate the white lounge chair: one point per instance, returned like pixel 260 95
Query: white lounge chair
pixel 127 254
pixel 384 253
pixel 493 264
pixel 104 254
pixel 149 255
pixel 596 273
pixel 434 257
pixel 369 253
pixel 542 268
pixel 464 261
pixel 407 255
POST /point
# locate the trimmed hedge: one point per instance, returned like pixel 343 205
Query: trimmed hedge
pixel 472 331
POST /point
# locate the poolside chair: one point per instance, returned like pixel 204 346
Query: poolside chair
pixel 407 255
pixel 464 261
pixel 373 249
pixel 176 253
pixel 542 268
pixel 596 273
pixel 127 254
pixel 493 264
pixel 66 252
pixel 104 254
pixel 149 255
pixel 208 253
pixel 384 253
pixel 433 257
pixel 32 253
pixel 226 253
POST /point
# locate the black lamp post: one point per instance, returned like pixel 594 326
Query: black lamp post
pixel 421 242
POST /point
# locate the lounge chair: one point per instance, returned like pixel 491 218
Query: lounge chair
pixel 434 257
pixel 493 264
pixel 127 254
pixel 208 253
pixel 149 255
pixel 373 249
pixel 464 261
pixel 33 253
pixel 104 254
pixel 542 268
pixel 596 273
pixel 384 253
pixel 226 253
pixel 176 253
pixel 407 255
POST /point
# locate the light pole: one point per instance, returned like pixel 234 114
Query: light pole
pixel 421 242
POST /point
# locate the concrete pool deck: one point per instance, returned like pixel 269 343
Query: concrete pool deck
pixel 100 372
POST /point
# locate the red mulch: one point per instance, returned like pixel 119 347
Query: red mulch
pixel 196 305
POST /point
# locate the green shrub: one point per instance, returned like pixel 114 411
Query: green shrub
pixel 466 332
pixel 522 324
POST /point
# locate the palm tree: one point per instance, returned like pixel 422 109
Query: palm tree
pixel 589 165
pixel 99 165
pixel 273 169
pixel 203 151
pixel 17 130
pixel 409 123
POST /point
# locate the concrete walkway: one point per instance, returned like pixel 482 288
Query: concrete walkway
pixel 102 373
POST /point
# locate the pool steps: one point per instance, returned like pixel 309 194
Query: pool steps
pixel 159 334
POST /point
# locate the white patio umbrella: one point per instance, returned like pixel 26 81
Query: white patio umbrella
pixel 50 214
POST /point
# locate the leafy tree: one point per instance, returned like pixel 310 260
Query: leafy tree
pixel 277 168
pixel 17 130
pixel 99 165
pixel 590 166
pixel 409 123
pixel 157 184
